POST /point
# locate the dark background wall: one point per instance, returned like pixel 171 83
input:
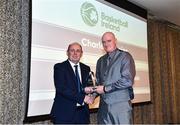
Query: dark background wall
pixel 14 40
pixel 164 66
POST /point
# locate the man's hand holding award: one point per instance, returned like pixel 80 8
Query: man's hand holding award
pixel 94 89
pixel 91 90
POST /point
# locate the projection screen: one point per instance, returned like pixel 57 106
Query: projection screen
pixel 56 23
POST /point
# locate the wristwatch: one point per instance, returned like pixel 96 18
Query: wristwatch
pixel 104 89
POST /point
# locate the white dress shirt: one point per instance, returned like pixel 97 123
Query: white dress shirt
pixel 79 71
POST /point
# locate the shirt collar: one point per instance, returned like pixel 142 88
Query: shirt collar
pixel 111 54
pixel 73 64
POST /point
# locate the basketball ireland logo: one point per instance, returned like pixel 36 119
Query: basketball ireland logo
pixel 89 14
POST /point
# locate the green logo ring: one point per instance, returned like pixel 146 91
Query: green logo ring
pixel 89 14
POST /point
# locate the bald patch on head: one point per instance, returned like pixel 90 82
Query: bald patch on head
pixel 74 43
pixel 109 33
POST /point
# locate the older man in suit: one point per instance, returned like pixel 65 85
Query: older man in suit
pixel 71 99
pixel 115 72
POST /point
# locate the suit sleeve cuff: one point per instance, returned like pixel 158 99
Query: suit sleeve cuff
pixel 107 88
pixel 81 98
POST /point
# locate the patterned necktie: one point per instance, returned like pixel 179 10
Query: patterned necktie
pixel 77 78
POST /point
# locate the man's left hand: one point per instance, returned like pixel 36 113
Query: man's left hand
pixel 100 89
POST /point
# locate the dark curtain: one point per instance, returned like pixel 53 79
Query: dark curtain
pixel 164 69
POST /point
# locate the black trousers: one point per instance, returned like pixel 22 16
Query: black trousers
pixel 81 116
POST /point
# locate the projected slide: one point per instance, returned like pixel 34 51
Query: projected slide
pixel 57 23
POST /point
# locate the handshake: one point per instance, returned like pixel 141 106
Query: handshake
pixel 90 97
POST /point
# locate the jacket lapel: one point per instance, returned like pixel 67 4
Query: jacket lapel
pixel 84 75
pixel 105 67
pixel 116 56
pixel 71 72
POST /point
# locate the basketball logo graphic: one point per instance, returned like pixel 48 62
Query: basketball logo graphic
pixel 89 14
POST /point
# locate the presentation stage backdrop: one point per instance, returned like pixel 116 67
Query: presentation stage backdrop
pixel 57 23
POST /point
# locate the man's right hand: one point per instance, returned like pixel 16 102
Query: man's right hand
pixel 89 99
pixel 88 90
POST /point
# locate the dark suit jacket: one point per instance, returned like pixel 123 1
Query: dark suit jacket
pixel 64 108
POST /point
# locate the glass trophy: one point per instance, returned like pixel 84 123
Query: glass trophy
pixel 92 80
